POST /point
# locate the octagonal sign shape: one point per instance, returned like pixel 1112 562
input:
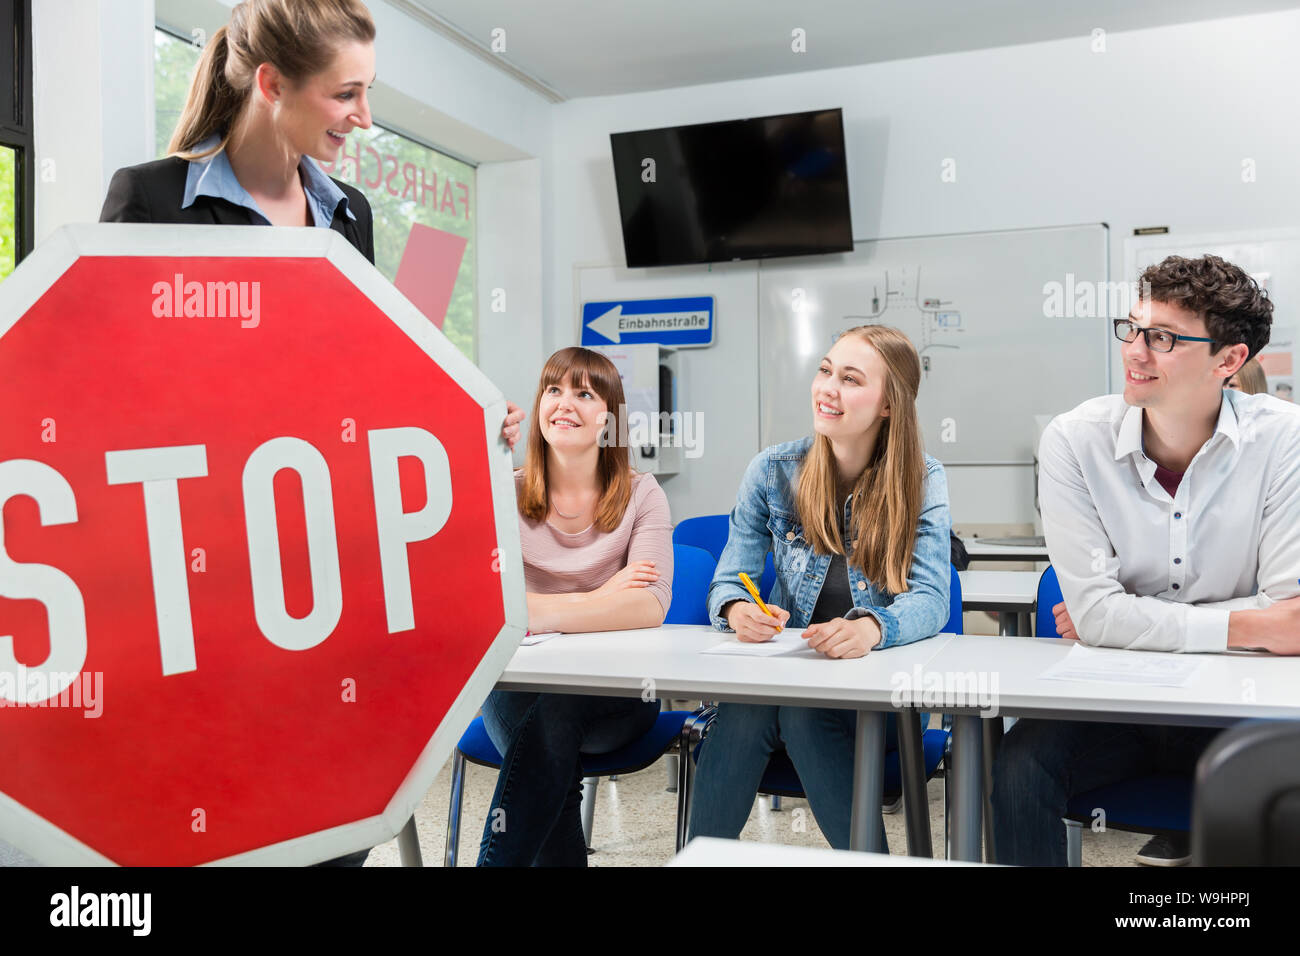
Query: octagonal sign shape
pixel 259 548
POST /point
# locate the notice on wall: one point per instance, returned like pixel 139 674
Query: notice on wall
pixel 1278 361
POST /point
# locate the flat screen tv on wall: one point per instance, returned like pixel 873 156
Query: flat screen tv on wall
pixel 739 189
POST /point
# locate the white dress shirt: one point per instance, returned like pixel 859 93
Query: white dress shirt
pixel 1142 570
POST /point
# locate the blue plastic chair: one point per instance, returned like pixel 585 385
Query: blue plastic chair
pixel 476 746
pixel 710 534
pixel 1049 595
pixel 692 572
pixel 1155 803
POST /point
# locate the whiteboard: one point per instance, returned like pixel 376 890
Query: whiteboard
pixel 975 306
pixel 1272 257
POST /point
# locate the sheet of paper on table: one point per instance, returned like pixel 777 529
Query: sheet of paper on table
pixel 530 638
pixel 1113 665
pixel 787 642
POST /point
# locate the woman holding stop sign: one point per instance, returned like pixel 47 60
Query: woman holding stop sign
pixel 281 85
pixel 597 553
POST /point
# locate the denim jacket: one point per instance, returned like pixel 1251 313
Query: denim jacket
pixel 765 519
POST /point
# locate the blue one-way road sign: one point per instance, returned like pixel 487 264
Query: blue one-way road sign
pixel 678 323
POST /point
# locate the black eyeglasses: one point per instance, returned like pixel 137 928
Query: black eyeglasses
pixel 1158 340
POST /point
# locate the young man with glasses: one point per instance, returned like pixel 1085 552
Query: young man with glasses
pixel 1172 517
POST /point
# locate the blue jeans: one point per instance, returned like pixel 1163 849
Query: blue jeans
pixel 536 817
pixel 743 738
pixel 1042 764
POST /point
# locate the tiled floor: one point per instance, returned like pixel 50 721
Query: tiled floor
pixel 634 824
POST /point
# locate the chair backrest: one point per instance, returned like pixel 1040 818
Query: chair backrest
pixel 692 573
pixel 710 533
pixel 1246 807
pixel 954 625
pixel 1049 595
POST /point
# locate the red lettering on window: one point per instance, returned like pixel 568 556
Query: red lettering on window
pixel 427 188
pixel 388 180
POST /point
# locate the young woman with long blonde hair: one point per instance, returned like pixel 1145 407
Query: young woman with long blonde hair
pixel 857 517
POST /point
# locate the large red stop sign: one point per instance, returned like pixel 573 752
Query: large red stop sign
pixel 259 555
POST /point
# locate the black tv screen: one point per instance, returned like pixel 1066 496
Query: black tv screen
pixel 741 189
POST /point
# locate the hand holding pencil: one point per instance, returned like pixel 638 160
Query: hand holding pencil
pixel 757 622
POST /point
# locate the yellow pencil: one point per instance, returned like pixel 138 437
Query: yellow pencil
pixel 753 591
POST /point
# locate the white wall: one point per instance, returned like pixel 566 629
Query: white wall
pixel 1153 131
pixel 92 99
pixel 509 237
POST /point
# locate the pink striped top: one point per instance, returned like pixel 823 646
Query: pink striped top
pixel 558 563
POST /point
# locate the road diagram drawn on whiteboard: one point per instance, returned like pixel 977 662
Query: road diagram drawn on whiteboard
pixel 936 317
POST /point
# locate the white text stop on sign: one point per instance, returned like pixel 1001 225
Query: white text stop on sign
pixel 158 471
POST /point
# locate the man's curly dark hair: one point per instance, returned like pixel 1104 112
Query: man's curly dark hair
pixel 1232 304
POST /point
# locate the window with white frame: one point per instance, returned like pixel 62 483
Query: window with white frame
pixel 423 201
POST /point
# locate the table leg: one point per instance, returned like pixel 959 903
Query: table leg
pixel 911 761
pixel 868 781
pixel 967 744
pixel 992 730
pixel 1008 624
pixel 408 844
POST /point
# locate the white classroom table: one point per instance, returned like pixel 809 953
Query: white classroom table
pixel 980 551
pixel 1216 697
pixel 1013 594
pixel 668 662
pixel 707 851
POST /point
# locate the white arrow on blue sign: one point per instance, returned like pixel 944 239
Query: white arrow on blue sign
pixel 677 323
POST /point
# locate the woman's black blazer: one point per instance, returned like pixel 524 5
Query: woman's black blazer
pixel 152 192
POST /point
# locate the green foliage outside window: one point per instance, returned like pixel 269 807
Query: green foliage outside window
pixel 8 219
pixel 174 62
pixel 446 187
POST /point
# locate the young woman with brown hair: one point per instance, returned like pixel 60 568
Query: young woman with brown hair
pixel 857 518
pixel 597 553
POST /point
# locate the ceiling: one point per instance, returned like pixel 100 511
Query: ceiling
pixel 602 47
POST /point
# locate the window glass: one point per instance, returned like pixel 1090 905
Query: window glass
pixel 174 61
pixel 423 201
pixel 8 215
